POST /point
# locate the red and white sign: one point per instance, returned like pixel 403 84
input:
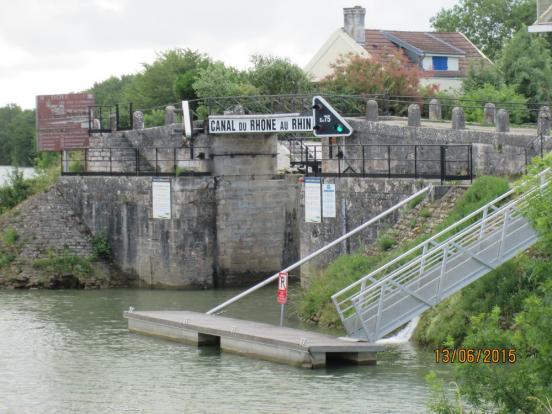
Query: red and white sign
pixel 282 287
pixel 62 121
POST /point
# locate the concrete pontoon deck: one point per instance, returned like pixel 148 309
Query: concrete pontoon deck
pixel 257 340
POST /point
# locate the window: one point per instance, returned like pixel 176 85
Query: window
pixel 440 63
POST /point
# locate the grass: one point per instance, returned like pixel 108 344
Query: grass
pixel 62 263
pixel 315 302
pixel 425 213
pixel 386 243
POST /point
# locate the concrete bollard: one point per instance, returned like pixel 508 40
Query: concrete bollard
pixel 113 122
pixel 170 115
pixel 372 111
pixel 489 114
pixel 435 110
pixel 502 121
pixel 544 120
pixel 137 120
pixel 414 115
pixel 458 118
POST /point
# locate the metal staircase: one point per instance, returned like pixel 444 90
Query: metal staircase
pixel 420 278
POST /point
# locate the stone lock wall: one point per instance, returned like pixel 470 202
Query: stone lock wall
pixel 163 253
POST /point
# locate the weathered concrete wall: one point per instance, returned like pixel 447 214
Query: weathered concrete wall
pixel 245 155
pixel 357 201
pixel 223 231
pixel 163 253
pixel 257 232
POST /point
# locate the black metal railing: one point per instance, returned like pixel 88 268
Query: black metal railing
pixel 158 161
pixel 110 118
pixel 444 162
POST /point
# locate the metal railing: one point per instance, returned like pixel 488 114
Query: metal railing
pixel 109 118
pixel 433 161
pixel 156 161
pixel 311 256
pixel 420 278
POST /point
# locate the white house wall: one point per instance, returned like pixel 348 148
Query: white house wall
pixel 453 63
pixel 445 84
pixel 340 44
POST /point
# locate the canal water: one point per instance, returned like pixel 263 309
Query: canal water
pixel 70 352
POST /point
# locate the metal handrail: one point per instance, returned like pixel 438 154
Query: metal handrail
pixel 320 251
pixel 428 259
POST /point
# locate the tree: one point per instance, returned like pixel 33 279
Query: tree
pixel 487 23
pixel 111 90
pixel 359 75
pixel 220 80
pixel 527 65
pixel 273 76
pixel 480 74
pixel 168 79
pixel 17 136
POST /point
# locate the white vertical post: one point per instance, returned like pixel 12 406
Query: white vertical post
pixel 187 119
pixel 65 161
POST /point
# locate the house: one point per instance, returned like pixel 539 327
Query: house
pixel 443 57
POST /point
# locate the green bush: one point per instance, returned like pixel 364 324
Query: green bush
pixel 10 237
pixel 101 247
pixel 62 263
pixel 425 213
pixel 503 97
pixel 386 243
pixel 17 190
pixel 6 258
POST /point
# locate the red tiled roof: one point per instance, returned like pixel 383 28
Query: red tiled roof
pixel 445 43
pixel 427 42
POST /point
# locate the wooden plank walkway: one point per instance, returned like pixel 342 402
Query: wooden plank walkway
pixel 258 340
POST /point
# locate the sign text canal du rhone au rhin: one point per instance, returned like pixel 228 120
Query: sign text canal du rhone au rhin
pixel 247 124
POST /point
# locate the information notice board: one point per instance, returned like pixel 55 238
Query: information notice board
pixel 161 198
pixel 62 121
pixel 313 201
pixel 328 200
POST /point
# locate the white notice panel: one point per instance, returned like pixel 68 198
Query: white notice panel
pixel 328 200
pixel 313 202
pixel 161 198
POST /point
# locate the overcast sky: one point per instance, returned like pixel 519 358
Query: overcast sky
pixel 61 46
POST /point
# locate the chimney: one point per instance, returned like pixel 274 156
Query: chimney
pixel 354 23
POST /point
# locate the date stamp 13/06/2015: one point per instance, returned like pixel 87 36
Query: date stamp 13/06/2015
pixel 475 355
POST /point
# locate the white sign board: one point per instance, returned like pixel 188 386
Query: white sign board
pixel 313 202
pixel 328 200
pixel 253 124
pixel 161 198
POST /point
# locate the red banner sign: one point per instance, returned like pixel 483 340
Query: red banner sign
pixel 62 121
pixel 282 287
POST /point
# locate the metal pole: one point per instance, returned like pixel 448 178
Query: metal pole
pixel 415 161
pixel 389 161
pixel 363 158
pixel 130 115
pixel 282 314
